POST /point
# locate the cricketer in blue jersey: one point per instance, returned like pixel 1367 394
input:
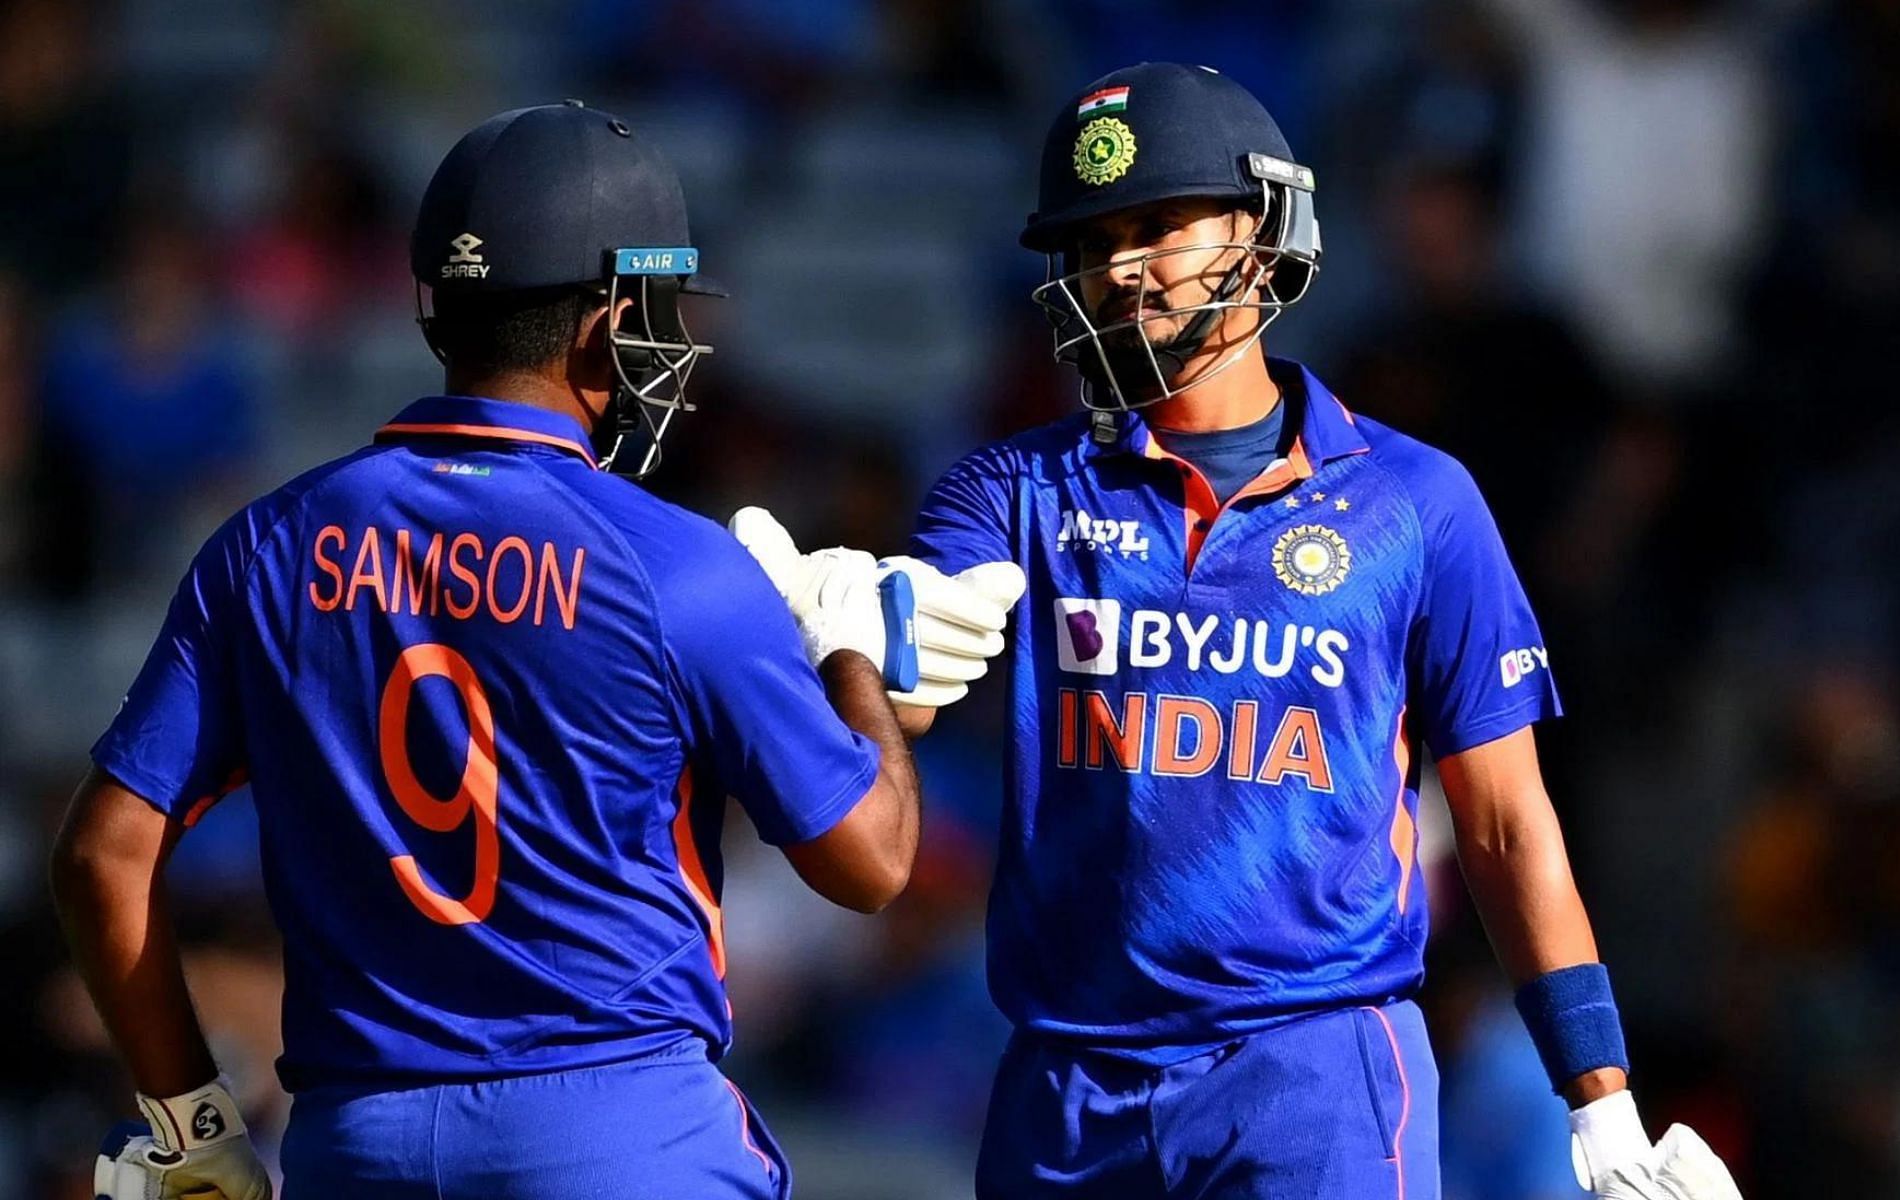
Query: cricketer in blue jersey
pixel 489 700
pixel 1250 615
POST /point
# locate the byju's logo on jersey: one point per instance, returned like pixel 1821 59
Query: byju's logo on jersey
pixel 1088 635
pixel 1080 531
pixel 1514 665
pixel 463 262
pixel 1092 639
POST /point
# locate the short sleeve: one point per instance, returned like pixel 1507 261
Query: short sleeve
pixel 1480 668
pixel 178 738
pixel 965 519
pixel 756 711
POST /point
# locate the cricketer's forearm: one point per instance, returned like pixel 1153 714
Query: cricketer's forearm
pixel 107 875
pixel 1511 849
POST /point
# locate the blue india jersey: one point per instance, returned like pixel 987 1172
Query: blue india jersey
pixel 1217 712
pixel 489 701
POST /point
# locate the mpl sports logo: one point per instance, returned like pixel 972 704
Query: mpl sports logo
pixel 1081 531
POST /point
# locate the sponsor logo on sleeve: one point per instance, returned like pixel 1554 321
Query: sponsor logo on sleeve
pixel 1514 665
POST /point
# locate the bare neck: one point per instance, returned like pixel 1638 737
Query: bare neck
pixel 1237 395
pixel 525 387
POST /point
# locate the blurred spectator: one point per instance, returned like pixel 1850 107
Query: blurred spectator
pixel 1462 360
pixel 915 1042
pixel 147 405
pixel 1816 906
pixel 1645 185
pixel 744 50
pixel 63 146
pixel 1505 1134
pixel 18 360
pixel 325 242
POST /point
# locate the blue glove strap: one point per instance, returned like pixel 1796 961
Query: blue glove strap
pixel 900 631
pixel 1573 1021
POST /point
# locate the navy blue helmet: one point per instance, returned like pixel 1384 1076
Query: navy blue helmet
pixel 1165 131
pixel 564 196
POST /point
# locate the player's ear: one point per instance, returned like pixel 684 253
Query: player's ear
pixel 592 330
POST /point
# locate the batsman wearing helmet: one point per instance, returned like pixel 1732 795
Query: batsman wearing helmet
pixel 1250 615
pixel 490 700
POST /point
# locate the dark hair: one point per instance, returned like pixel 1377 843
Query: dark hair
pixel 508 331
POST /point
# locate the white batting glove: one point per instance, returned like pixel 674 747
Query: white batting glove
pixel 194 1148
pixel 840 598
pixel 960 621
pixel 1614 1160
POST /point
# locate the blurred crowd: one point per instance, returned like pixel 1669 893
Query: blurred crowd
pixel 1636 262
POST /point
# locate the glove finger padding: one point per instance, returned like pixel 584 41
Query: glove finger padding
pixel 838 578
pixel 949 599
pixel 934 633
pixel 949 668
pixel 769 542
pixel 1694 1172
pixel 1002 582
pixel 931 694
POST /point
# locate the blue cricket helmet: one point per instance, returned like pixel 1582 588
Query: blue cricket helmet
pixel 1160 131
pixel 565 196
pixel 1166 131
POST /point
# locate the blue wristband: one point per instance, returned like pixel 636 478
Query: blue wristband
pixel 1573 1021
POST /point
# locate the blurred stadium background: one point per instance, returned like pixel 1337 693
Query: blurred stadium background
pixel 1637 262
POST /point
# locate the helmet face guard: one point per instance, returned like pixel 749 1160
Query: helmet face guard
pixel 652 352
pixel 1274 265
pixel 652 360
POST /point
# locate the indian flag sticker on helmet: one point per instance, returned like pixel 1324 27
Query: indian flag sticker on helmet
pixel 1104 151
pixel 1101 103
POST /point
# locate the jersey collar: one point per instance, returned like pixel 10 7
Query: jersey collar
pixel 1327 430
pixel 492 420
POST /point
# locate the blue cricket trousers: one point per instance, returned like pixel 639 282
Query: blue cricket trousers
pixel 658 1128
pixel 1339 1105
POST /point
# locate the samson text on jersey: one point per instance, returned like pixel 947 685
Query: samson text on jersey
pixel 1213 795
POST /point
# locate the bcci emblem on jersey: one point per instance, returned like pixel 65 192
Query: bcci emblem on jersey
pixel 1311 559
pixel 1088 635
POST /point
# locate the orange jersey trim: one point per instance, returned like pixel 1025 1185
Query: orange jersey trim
pixel 693 871
pixel 203 805
pixel 1199 507
pixel 1405 1100
pixel 499 433
pixel 1404 827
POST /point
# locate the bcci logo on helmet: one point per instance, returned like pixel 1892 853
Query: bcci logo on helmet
pixel 463 262
pixel 1104 151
